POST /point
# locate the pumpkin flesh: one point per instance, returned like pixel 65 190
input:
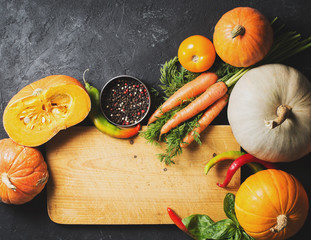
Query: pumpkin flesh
pixel 23 172
pixel 42 109
pixel 266 195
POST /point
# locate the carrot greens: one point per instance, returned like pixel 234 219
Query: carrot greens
pixel 173 138
pixel 174 76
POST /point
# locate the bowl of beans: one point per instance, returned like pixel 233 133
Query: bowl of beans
pixel 125 101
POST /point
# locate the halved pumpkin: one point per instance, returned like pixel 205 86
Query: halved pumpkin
pixel 43 108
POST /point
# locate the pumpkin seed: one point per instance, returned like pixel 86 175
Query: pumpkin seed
pixel 37 91
pixel 26 120
pixel 55 111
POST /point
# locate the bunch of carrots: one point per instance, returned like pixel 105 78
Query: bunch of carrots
pixel 199 99
pixel 213 97
pixel 187 111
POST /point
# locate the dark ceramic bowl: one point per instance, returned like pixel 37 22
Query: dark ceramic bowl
pixel 125 101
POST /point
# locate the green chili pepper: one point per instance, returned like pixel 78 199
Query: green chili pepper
pixel 100 121
pixel 231 155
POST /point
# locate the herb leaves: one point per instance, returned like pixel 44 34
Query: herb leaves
pixel 174 76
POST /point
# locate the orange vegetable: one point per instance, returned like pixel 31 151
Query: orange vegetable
pixel 189 90
pixel 23 172
pixel 41 109
pixel 243 37
pixel 211 113
pixel 196 53
pixel 271 205
pixel 212 94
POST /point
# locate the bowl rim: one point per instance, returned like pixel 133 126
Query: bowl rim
pixel 105 86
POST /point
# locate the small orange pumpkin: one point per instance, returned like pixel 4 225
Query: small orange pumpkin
pixel 271 205
pixel 23 172
pixel 243 37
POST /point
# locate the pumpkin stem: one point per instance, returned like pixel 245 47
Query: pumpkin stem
pixel 282 113
pixel 281 223
pixel 238 30
pixel 6 180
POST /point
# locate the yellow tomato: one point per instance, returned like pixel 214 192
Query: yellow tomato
pixel 196 53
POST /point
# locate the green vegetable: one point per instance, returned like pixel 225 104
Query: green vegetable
pixel 202 227
pixel 174 76
pixel 229 208
pixel 230 155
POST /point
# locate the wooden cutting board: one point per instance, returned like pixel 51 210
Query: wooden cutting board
pixel 96 179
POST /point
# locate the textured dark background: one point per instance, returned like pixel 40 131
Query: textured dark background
pixel 39 38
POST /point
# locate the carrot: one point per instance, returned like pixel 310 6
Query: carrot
pixel 189 90
pixel 211 113
pixel 212 94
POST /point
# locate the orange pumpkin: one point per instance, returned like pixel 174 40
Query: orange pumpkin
pixel 243 37
pixel 43 108
pixel 23 172
pixel 271 205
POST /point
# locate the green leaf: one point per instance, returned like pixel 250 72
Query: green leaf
pixel 197 225
pixel 197 220
pixel 245 236
pixel 196 137
pixel 221 230
pixel 229 208
pixel 202 227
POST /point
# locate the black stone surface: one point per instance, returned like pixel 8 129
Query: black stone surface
pixel 39 38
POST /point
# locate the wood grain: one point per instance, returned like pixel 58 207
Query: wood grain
pixel 96 179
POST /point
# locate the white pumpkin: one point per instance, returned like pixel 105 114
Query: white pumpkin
pixel 270 113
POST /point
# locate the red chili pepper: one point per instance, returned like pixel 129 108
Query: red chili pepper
pixel 177 220
pixel 239 162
